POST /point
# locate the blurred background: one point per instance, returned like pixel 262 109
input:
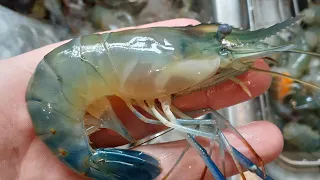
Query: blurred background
pixel 29 24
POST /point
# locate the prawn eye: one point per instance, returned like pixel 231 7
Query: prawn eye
pixel 225 29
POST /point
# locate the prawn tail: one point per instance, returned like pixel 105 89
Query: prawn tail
pixel 244 161
pixel 124 164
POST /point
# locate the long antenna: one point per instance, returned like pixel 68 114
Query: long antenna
pixel 151 138
pixel 303 52
pixel 283 75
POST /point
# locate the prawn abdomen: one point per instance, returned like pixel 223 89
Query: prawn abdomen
pixel 64 84
pixel 56 122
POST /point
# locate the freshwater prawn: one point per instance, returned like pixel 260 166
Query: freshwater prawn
pixel 67 96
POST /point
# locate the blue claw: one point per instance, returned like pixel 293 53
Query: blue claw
pixel 125 164
pixel 249 164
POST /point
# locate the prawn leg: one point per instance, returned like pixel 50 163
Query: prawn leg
pixel 105 117
pixel 242 85
pixel 156 122
pixel 92 124
pixel 224 144
pixel 200 150
pixel 217 174
pixel 244 161
pixel 165 103
pixel 221 149
pixel 222 140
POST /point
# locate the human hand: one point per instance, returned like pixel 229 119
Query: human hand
pixel 25 156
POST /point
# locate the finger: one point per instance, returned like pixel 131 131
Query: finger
pixel 228 93
pixel 220 96
pixel 192 165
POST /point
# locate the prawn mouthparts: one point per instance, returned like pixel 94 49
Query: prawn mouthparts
pixel 67 96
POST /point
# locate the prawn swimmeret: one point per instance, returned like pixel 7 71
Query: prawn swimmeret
pixel 67 96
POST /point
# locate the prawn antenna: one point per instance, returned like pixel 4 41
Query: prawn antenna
pixel 286 76
pixel 150 138
pixel 177 162
pixel 303 52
